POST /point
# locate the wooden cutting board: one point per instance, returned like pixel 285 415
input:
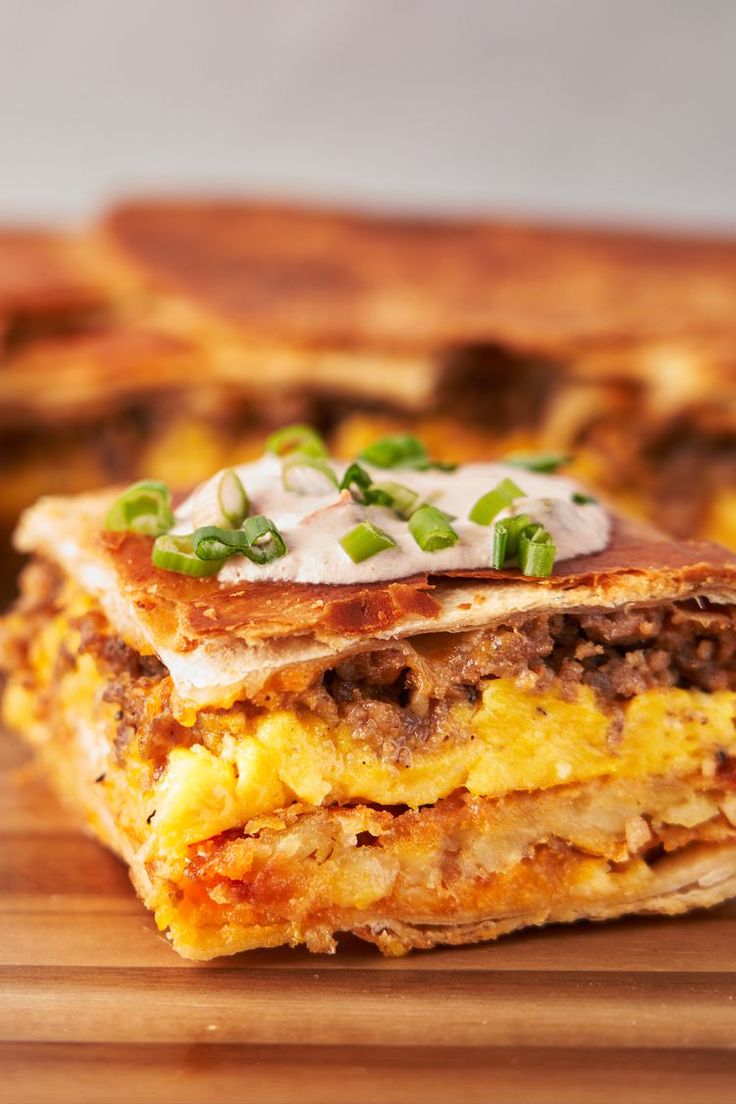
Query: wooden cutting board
pixel 95 1007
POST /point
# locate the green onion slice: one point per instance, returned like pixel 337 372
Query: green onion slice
pixel 402 500
pixel 584 499
pixel 539 462
pixel 296 438
pixel 259 540
pixel 265 542
pixel 525 543
pixel 364 541
pixel 232 498
pixel 307 475
pixel 536 551
pixel 357 481
pixel 506 535
pixel 400 450
pixel 362 488
pixel 431 529
pixel 144 508
pixel 177 554
pixel 491 504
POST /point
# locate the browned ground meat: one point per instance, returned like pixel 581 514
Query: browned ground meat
pixel 131 677
pixel 398 698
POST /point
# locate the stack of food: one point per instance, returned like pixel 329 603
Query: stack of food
pixel 398 671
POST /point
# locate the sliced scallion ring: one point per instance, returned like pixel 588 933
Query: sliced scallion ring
pixel 232 498
pixel 362 488
pixel 539 462
pixel 177 554
pixel 431 529
pixel 364 541
pixel 259 540
pixel 584 499
pixel 144 508
pixel 402 500
pixel 265 541
pixel 213 542
pixel 399 450
pixel 525 543
pixel 506 535
pixel 296 438
pixel 491 504
pixel 307 475
pixel 536 551
pixel 356 480
pixel 220 501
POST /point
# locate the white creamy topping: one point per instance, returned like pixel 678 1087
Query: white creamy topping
pixel 312 525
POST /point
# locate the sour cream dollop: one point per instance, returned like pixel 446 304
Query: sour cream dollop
pixel 313 525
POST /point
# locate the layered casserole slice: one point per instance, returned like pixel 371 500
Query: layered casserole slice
pixel 418 704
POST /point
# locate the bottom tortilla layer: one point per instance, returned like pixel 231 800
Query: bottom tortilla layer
pixel 463 870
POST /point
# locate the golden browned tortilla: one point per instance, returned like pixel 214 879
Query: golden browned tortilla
pixel 323 276
pixel 45 281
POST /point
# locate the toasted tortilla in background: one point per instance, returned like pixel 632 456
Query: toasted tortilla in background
pixel 319 276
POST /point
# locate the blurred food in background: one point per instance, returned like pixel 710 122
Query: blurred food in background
pixel 174 335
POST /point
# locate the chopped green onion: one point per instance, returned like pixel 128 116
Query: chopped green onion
pixel 364 541
pixel 536 551
pixel 307 475
pixel 506 535
pixel 400 450
pixel 177 554
pixel 357 481
pixel 402 500
pixel 524 543
pixel 265 541
pixel 144 508
pixel 539 462
pixel 431 529
pixel 362 488
pixel 296 438
pixel 490 505
pixel 232 498
pixel 259 540
pixel 584 499
pixel 212 542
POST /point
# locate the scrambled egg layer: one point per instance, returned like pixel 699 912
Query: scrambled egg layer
pixel 247 765
pixel 517 740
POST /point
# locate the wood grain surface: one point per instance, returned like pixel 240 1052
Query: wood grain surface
pixel 95 1006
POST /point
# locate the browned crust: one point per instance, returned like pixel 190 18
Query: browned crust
pixel 265 609
pixel 187 608
pixel 633 547
pixel 80 374
pixel 41 274
pixel 320 276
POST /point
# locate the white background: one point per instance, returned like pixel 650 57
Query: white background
pixel 603 108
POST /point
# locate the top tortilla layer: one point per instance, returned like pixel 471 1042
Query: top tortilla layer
pixel 221 642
